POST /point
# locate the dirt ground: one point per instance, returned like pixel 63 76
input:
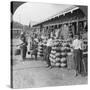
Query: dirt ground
pixel 31 73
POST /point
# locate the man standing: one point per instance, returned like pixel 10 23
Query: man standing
pixel 77 46
pixel 23 45
pixel 48 51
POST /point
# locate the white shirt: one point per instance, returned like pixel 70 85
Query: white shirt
pixel 77 44
pixel 49 42
pixel 29 43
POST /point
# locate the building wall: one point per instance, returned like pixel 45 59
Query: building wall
pixel 70 17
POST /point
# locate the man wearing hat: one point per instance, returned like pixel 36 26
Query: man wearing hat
pixel 23 45
pixel 77 46
pixel 48 49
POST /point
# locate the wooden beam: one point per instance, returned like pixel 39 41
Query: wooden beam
pixel 84 19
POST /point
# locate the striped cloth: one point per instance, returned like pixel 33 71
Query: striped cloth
pixel 40 50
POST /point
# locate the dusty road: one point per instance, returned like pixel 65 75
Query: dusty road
pixel 28 74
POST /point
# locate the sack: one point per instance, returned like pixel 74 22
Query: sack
pixel 17 52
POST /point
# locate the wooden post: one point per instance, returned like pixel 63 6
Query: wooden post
pixel 77 27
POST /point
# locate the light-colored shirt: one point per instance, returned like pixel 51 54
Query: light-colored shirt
pixel 29 43
pixel 49 42
pixel 77 44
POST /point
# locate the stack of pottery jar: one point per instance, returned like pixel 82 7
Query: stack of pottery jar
pixel 40 50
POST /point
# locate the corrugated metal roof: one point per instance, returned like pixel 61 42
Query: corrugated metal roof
pixel 70 9
pixel 60 13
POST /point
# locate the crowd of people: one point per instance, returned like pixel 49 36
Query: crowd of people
pixel 31 45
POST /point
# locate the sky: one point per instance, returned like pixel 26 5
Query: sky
pixel 36 12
